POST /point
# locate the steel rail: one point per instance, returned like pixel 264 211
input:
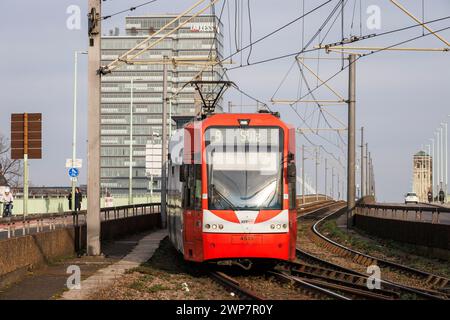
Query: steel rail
pixel 232 284
pixel 308 288
pixel 343 281
pixel 435 281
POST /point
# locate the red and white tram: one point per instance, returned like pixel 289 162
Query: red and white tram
pixel 231 196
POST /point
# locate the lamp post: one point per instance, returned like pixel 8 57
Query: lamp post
pixel 130 165
pixel 433 169
pixel 445 159
pixel 74 134
pixel 438 161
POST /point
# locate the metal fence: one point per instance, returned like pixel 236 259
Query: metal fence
pixel 35 223
pixel 418 213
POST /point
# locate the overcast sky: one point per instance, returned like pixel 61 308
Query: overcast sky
pixel 401 96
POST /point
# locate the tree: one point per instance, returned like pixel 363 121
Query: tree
pixel 10 169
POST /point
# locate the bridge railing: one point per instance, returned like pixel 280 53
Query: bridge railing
pixel 421 213
pixel 35 223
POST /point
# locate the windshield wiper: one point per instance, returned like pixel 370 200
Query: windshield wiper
pixel 230 204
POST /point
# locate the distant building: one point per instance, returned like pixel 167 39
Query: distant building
pixel 196 39
pixel 422 175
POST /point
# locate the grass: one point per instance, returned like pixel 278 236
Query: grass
pixel 401 252
pixel 331 229
pixel 141 285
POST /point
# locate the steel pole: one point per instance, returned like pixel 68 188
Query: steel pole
pixel 326 177
pixel 433 178
pixel 74 133
pixel 366 168
pixel 164 147
pixel 429 168
pixel 317 174
pixel 332 182
pixel 363 191
pixel 445 160
pixel 370 175
pixel 94 85
pixel 351 141
pixel 130 165
pixel 438 160
pixel 338 187
pixel 442 157
pixel 303 174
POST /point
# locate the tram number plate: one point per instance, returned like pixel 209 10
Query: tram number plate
pixel 246 239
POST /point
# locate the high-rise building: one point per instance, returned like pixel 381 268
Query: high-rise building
pixel 197 39
pixel 422 175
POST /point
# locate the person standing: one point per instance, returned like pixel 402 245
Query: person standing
pixel 430 196
pixel 441 196
pixel 69 197
pixel 78 199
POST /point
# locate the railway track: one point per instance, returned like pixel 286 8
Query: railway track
pixel 234 285
pixel 432 286
pixel 291 283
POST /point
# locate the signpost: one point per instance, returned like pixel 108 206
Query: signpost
pixel 26 143
pixel 78 163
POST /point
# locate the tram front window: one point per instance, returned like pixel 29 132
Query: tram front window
pixel 244 168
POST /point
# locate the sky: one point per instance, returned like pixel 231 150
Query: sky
pixel 402 97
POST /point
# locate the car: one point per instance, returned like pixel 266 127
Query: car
pixel 411 197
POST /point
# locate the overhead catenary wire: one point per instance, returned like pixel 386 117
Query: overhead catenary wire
pixel 127 10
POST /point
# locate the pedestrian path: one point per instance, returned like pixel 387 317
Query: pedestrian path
pixel 106 276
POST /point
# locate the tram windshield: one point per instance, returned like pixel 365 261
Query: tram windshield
pixel 244 168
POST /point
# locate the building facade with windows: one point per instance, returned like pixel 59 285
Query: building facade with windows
pixel 197 39
pixel 422 175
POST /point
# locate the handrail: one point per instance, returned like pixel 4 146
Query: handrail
pixel 65 214
pixel 423 208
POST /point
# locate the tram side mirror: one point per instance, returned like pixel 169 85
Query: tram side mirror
pixel 183 173
pixel 291 172
pixel 290 157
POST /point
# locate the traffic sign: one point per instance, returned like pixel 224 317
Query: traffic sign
pixel 26 135
pixel 77 164
pixel 74 172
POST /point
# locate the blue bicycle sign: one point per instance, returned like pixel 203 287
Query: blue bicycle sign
pixel 74 172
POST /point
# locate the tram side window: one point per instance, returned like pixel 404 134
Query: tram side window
pixel 192 187
pixel 198 186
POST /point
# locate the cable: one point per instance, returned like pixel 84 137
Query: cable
pixel 250 31
pixel 314 49
pixel 126 10
pixel 371 53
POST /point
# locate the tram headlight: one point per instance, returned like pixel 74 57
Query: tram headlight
pixel 272 226
pixel 220 226
pixel 278 226
pixel 285 226
pixel 214 226
pixel 207 226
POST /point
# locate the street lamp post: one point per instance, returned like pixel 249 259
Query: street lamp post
pixel 438 162
pixel 74 134
pixel 130 164
pixel 445 160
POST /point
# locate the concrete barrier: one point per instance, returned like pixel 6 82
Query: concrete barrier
pixel 20 254
pixel 432 239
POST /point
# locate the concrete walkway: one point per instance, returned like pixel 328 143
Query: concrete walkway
pixel 106 276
